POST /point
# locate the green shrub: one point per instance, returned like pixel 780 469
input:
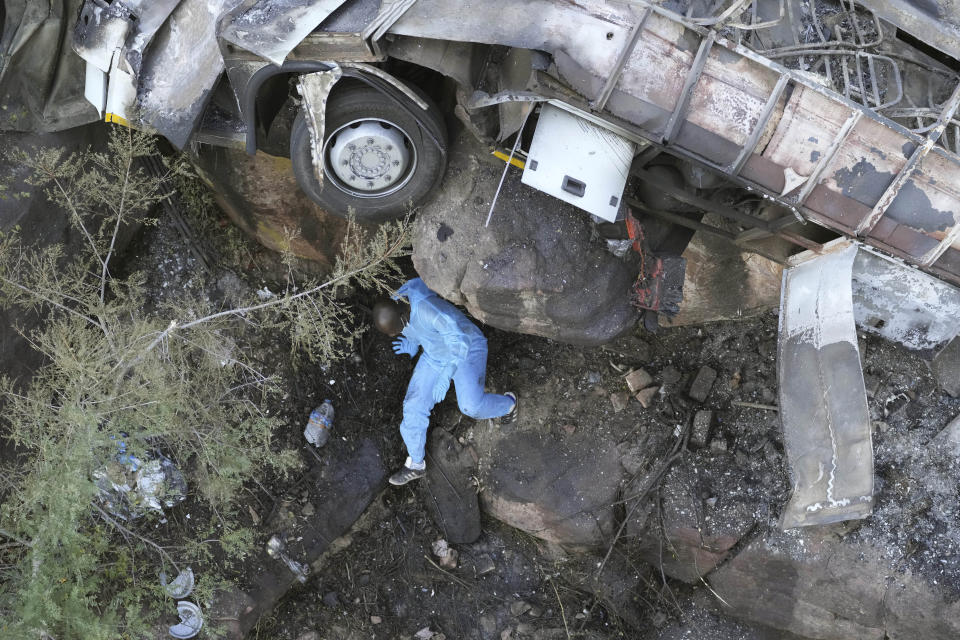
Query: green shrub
pixel 176 380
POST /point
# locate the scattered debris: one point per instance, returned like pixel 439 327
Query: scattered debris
pixel 446 556
pixel 427 634
pixel 519 607
pixel 376 619
pixel 129 487
pixel 638 379
pixel 719 445
pixel 670 375
pixel 895 404
pixel 647 395
pixel 181 586
pixel 484 565
pixel 191 621
pixel 277 548
pixel 702 423
pixel 620 400
pixel 755 405
pixel 320 424
pixel 701 385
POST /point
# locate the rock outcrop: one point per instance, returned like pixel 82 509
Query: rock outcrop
pixel 561 491
pixel 535 269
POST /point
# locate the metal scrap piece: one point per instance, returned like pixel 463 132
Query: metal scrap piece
pixel 315 88
pixel 823 400
pixel 272 29
pixel 277 549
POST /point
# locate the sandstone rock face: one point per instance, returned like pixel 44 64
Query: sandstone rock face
pixel 553 489
pixel 260 194
pixel 723 283
pixel 535 269
pixel 817 586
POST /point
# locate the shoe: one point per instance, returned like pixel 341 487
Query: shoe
pixel 511 417
pixel 405 475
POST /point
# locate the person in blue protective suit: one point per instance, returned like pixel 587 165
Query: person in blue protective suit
pixel 453 349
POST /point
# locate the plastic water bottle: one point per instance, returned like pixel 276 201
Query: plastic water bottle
pixel 319 425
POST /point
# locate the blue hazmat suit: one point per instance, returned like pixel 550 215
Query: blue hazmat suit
pixel 453 349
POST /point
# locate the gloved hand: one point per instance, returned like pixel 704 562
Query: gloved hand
pixel 440 389
pixel 404 345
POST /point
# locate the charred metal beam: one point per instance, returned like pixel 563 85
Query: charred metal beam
pixel 707 205
pixel 751 144
pixel 828 157
pixel 696 69
pixel 893 190
pixel 614 76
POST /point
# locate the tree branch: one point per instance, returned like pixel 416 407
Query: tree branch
pixel 128 532
pixel 116 227
pixel 16 539
pixel 42 297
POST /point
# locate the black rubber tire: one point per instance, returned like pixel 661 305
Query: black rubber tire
pixel 354 102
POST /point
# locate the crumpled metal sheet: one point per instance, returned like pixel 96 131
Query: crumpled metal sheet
pixel 181 69
pixel 902 304
pixel 272 28
pixel 823 401
pixel 315 88
pixel 41 78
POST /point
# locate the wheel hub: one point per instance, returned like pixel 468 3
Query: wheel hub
pixel 369 157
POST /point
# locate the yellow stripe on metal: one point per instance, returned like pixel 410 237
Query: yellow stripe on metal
pixel 517 162
pixel 112 117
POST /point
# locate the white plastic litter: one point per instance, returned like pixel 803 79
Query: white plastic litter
pixel 191 621
pixel 181 586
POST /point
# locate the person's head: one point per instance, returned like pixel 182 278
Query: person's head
pixel 388 317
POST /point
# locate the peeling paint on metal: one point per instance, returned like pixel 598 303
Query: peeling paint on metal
pixel 315 88
pixel 862 182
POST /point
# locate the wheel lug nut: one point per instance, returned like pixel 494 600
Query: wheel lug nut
pixel 389 147
pixel 369 185
pixel 396 163
pixel 369 140
pixel 387 178
pixel 352 147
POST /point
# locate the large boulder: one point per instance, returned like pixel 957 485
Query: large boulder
pixel 535 269
pixel 724 283
pixel 561 491
pixel 817 585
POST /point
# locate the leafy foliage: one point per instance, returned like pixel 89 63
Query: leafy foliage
pixel 175 380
